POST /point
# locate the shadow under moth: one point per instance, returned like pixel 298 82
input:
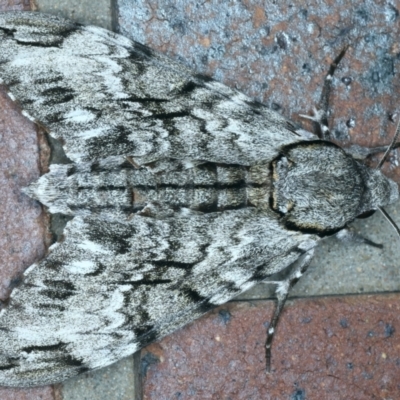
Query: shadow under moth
pixel 181 192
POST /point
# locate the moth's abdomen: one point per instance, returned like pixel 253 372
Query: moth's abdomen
pixel 119 192
pixel 208 187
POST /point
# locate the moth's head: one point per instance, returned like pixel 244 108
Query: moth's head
pixel 318 188
pixel 379 191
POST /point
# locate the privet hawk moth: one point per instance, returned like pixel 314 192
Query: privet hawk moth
pixel 181 194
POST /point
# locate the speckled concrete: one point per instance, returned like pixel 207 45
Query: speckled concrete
pixel 97 12
pixel 115 382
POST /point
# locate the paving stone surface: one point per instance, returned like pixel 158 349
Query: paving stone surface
pixel 15 5
pixel 22 231
pixel 97 12
pixel 325 348
pixel 39 393
pixel 115 382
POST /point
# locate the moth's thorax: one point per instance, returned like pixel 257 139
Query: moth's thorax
pixel 318 187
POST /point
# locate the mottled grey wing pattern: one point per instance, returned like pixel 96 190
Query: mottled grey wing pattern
pixel 104 95
pixel 110 289
pixel 122 278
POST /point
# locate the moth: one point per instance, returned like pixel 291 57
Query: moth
pixel 181 193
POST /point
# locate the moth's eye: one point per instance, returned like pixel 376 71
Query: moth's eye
pixel 366 214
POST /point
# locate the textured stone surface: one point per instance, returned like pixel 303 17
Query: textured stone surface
pixel 22 221
pixel 40 393
pixel 115 382
pixel 325 348
pixel 9 5
pixel 97 12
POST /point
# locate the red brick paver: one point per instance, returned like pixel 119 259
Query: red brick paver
pixel 14 5
pixel 325 348
pixel 39 393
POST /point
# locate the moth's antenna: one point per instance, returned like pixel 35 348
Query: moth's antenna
pixel 390 148
pixel 389 218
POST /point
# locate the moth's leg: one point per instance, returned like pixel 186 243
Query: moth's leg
pixel 282 292
pixel 348 235
pixel 320 117
pixel 320 123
